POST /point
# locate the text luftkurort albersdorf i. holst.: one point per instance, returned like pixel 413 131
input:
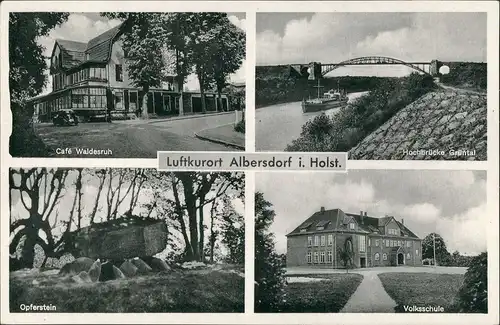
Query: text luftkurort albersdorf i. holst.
pixel 244 162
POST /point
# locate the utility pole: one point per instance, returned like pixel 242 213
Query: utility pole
pixel 434 240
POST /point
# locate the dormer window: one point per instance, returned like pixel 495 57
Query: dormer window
pixel 352 226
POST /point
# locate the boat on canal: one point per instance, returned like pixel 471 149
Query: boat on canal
pixel 331 99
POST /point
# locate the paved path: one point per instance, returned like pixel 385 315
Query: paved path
pixel 370 297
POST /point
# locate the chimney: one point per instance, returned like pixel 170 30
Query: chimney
pixel 365 214
pixel 322 209
pixel 362 217
pixel 402 221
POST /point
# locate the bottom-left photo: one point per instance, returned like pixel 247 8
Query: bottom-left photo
pixel 124 240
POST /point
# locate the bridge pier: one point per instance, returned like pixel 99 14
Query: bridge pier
pixel 434 69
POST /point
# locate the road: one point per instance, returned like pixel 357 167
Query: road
pixel 460 90
pixel 132 139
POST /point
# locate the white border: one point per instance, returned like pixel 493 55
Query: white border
pixel 491 7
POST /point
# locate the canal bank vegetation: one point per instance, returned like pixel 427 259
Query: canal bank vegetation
pixel 468 75
pixel 354 122
pixel 281 84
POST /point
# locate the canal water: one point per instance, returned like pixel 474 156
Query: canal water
pixel 277 125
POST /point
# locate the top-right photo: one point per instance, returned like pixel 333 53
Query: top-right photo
pixel 380 86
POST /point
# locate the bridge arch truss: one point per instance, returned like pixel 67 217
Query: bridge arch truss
pixel 376 60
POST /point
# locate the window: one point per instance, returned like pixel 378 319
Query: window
pixel 376 242
pixel 387 243
pixel 309 241
pixel 119 72
pixel 377 257
pixel 329 257
pixel 316 240
pixel 384 257
pixel 408 244
pixel 119 100
pixel 369 242
pixel 399 242
pixel 322 257
pixel 323 240
pixel 309 257
pixel 362 243
pixel 352 226
pixel 330 240
pixel 316 257
pixel 303 230
pixel 133 107
pixel 416 252
pixel 408 256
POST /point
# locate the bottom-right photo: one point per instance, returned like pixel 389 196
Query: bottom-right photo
pixel 371 241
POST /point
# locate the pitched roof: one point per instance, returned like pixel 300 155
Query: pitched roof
pixel 97 49
pixel 336 220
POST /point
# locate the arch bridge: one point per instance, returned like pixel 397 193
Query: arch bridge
pixel 429 68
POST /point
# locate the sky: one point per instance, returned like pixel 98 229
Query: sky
pixel 293 38
pixel 89 189
pixel 450 203
pixel 84 26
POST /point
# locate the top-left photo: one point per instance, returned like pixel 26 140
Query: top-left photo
pixel 126 84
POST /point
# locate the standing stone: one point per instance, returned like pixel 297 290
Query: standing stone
pixel 128 269
pixel 107 272
pixel 95 271
pixel 142 267
pixel 159 265
pixel 118 274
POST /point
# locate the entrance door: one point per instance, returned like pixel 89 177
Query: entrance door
pixel 401 259
pixel 362 262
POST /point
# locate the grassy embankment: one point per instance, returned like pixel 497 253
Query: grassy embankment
pixel 178 291
pixel 364 115
pixel 423 289
pixel 327 296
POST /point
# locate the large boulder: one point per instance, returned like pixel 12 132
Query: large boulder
pixel 128 269
pixel 107 272
pixel 142 267
pixel 79 265
pixel 95 271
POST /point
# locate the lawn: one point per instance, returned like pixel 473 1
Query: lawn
pixel 178 291
pixel 422 289
pixel 328 296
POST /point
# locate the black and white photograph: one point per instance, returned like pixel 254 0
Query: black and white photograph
pixel 380 86
pixel 126 241
pixel 371 241
pixel 126 85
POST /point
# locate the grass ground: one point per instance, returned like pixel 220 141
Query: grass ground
pixel 327 296
pixel 422 289
pixel 179 291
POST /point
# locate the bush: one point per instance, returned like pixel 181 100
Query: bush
pixel 240 127
pixel 466 74
pixel 473 295
pixel 362 116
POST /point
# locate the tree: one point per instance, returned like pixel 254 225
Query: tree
pixel 202 43
pixel 442 255
pixel 26 74
pixel 233 233
pixel 473 295
pixel 346 254
pixel 144 44
pixel 29 185
pixel 269 271
pixel 228 55
pixel 192 191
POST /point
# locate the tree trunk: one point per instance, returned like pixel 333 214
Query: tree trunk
pixel 144 106
pixel 212 235
pixel 202 91
pixel 27 259
pixel 201 228
pixel 219 101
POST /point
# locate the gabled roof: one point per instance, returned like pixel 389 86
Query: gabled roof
pixel 96 50
pixel 336 220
